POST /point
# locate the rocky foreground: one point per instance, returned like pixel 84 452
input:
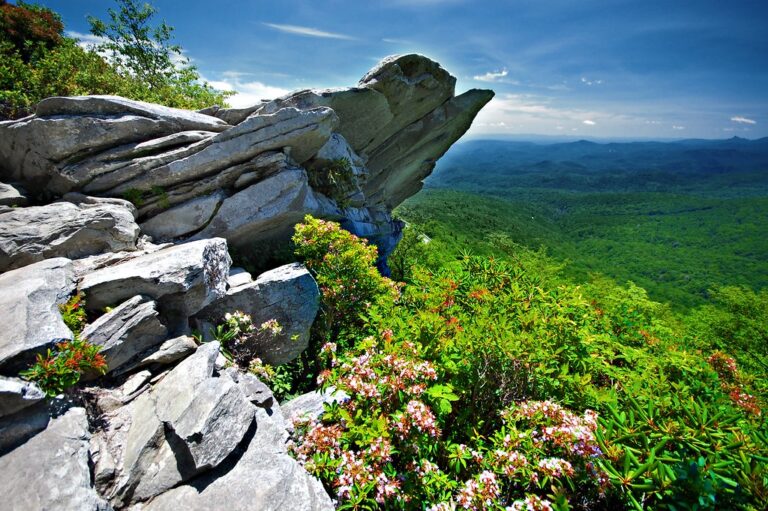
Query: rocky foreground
pixel 170 426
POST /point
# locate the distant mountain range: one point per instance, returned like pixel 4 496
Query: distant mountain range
pixel 485 165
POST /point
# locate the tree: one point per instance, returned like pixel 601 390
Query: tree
pixel 143 53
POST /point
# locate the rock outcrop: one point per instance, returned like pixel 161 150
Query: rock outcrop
pixel 50 471
pixel 248 175
pixel 173 424
pixel 29 313
pixel 75 228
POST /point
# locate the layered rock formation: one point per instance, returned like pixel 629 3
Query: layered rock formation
pixel 249 175
pixel 173 425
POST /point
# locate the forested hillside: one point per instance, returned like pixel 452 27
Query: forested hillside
pixel 678 219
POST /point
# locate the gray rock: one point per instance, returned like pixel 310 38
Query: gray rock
pixel 126 332
pixel 21 426
pixel 189 422
pixel 109 399
pixel 184 277
pixel 267 210
pixel 234 116
pixel 362 111
pixel 312 404
pixel 265 478
pixel 50 471
pixel 253 388
pixel 398 166
pixel 171 351
pixel 183 219
pixel 86 265
pixel 36 149
pixel 287 294
pixel 12 195
pixel 16 394
pixel 413 86
pixel 64 229
pixel 29 312
pixel 238 277
pixel 303 131
pixel 108 168
pixel 182 119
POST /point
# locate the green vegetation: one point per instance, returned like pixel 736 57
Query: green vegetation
pixel 62 368
pixel 677 247
pixel 495 382
pixel 335 179
pixel 73 313
pixel 37 60
pixel 678 219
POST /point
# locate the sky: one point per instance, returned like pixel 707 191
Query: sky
pixel 582 68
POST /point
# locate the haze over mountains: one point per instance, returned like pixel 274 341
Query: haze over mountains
pixel 488 165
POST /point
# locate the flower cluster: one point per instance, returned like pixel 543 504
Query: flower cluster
pixel 417 415
pixel 387 381
pixel 731 382
pixel 479 492
pixel 63 367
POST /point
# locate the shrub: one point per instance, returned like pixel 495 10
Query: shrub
pixel 62 368
pixel 344 267
pixel 73 313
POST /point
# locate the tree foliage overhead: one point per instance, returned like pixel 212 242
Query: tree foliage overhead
pixel 135 46
pixel 137 60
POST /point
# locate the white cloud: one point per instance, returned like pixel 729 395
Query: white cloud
pixel 86 41
pixel 589 122
pixel 396 41
pixel 527 113
pixel 743 120
pixel 676 127
pixel 585 81
pixel 491 76
pixel 249 93
pixel 90 41
pixel 308 31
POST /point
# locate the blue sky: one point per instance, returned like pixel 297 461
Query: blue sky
pixel 586 68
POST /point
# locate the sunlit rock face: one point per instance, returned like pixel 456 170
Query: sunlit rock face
pixel 249 174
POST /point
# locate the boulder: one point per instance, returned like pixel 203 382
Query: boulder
pixel 253 389
pixel 12 195
pixel 238 277
pixel 17 394
pixel 29 311
pixel 185 277
pixel 127 332
pixel 171 351
pixel 65 229
pixel 19 427
pixel 86 265
pixel 183 219
pixel 51 471
pixel 264 478
pixel 287 294
pixel 36 150
pixel 187 423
